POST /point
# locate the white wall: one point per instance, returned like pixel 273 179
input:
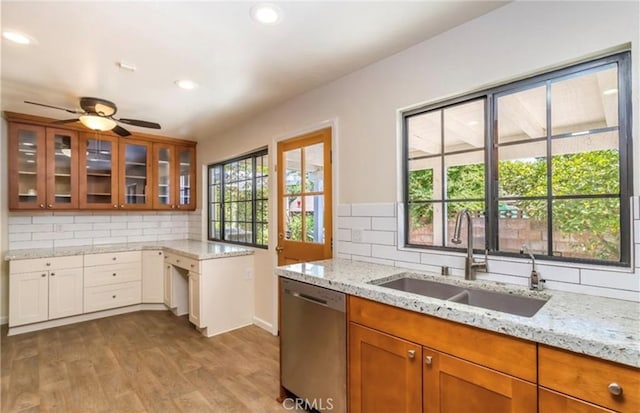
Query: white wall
pixel 512 42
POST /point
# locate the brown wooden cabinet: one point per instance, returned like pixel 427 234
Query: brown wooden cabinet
pixel 385 373
pixel 174 176
pixel 135 190
pixel 98 180
pixel 572 376
pixel 554 402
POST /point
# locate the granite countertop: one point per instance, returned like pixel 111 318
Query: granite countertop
pixel 601 327
pixel 199 250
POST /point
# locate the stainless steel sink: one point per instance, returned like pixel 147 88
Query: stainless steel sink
pixel 423 287
pixel 504 302
pixel 492 300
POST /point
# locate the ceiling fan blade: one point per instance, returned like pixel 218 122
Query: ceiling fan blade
pixel 121 131
pixel 77 112
pixel 63 121
pixel 142 123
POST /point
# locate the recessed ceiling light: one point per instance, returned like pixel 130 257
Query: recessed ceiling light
pixel 16 37
pixel 265 13
pixel 186 84
pixel 610 92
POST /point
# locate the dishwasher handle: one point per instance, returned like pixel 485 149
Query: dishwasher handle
pixel 314 295
pixel 306 297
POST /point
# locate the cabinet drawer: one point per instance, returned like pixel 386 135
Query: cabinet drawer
pixel 45 264
pixel 103 297
pixel 183 262
pixel 91 260
pixel 517 356
pixel 588 378
pixel 113 274
pixel 552 402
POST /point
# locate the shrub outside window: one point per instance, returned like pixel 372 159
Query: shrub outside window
pixel 543 162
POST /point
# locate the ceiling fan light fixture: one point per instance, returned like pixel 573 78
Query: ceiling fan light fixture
pixel 98 123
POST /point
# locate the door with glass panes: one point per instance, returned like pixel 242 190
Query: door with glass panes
pixel 135 173
pixel 98 171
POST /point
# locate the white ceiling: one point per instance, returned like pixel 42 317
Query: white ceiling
pixel 242 67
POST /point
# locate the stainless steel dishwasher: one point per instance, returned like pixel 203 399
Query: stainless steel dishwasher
pixel 313 363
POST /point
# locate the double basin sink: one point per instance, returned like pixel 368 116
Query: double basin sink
pixel 492 300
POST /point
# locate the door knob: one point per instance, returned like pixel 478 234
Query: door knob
pixel 279 249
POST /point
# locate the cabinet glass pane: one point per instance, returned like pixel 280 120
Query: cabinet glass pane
pixel 164 176
pixel 99 169
pixel 62 169
pixel 186 161
pixel 28 166
pixel 135 173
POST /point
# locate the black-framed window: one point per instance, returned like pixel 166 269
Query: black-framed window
pixel 544 162
pixel 238 200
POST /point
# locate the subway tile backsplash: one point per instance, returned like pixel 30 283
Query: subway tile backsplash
pixel 369 232
pixel 66 229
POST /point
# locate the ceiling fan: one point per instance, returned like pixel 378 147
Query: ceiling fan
pixel 97 114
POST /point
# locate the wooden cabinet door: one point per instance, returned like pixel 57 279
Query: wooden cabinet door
pixel 135 191
pixel 98 176
pixel 62 169
pixel 385 372
pixel 553 402
pixel 194 298
pixel 164 176
pixel 453 385
pixel 27 166
pixel 152 276
pixel 186 177
pixel 65 292
pixel 28 298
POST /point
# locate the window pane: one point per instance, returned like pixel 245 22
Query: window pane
pixel 464 126
pixel 314 218
pixel 292 218
pixel 421 224
pixel 522 115
pixel 314 168
pixel 586 165
pixel 522 222
pixel 522 170
pixel 293 173
pixel 465 175
pixel 585 102
pixel 477 220
pixel 587 228
pixel 424 134
pixel 425 181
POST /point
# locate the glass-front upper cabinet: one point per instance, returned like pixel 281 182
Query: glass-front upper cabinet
pixel 164 167
pixel 27 166
pixel 186 173
pixel 62 169
pixel 135 174
pixel 98 171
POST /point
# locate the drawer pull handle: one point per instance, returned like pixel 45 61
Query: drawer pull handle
pixel 615 389
pixel 428 360
pixel 48 264
pixel 192 265
pixel 113 296
pixel 177 260
pixel 114 274
pixel 43 275
pixel 411 354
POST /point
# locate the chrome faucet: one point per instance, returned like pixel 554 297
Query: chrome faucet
pixel 470 265
pixel 535 282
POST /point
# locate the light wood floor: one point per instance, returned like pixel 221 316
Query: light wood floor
pixel 148 361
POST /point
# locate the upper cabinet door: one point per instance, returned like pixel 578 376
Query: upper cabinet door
pixel 27 167
pixel 98 166
pixel 62 169
pixel 164 196
pixel 135 174
pixel 186 173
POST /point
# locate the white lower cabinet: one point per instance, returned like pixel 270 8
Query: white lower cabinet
pixel 112 280
pixel 152 276
pixel 65 293
pixel 194 299
pixel 103 297
pixel 28 298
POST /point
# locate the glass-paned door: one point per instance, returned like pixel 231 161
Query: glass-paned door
pixel 186 177
pixel 135 171
pixel 98 171
pixel 62 169
pixel 164 164
pixel 27 159
pixel 304 196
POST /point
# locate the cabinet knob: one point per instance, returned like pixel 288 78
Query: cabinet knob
pixel 49 206
pixel 615 389
pixel 121 205
pixel 159 252
pixel 178 206
pixel 43 275
pixel 41 205
pixel 48 264
pixel 411 354
pixel 428 360
pixel 53 274
pixel 114 274
pixel 115 205
pixel 177 260
pixel 173 206
pixel 113 296
pixel 192 265
pixel 114 258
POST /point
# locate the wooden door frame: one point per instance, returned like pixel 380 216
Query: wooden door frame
pixel 333 124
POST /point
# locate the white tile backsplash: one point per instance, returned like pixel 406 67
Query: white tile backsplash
pixel 66 229
pixel 369 232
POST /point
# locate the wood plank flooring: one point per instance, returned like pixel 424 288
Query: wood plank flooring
pixel 148 361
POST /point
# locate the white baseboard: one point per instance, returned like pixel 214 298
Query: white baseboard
pixel 263 325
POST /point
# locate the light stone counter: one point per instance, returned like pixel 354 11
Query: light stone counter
pixel 199 250
pixel 602 327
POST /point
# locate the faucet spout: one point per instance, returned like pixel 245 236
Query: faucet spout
pixel 471 266
pixel 535 281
